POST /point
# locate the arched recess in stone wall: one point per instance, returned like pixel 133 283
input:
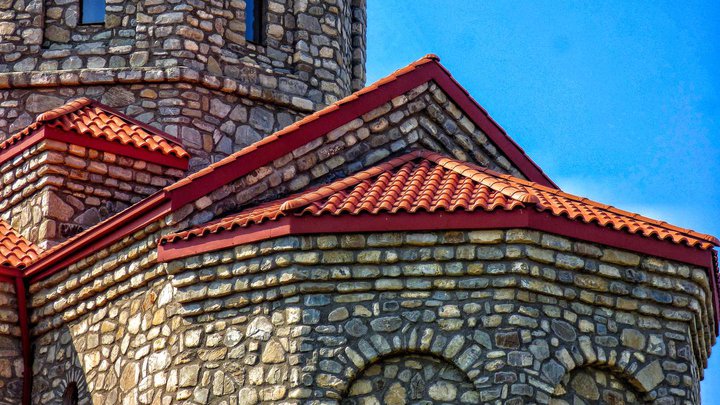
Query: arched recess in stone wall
pixel 452 348
pixel 411 378
pixel 593 385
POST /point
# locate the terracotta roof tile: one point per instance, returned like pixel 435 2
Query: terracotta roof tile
pixel 430 182
pixel 15 250
pixel 87 117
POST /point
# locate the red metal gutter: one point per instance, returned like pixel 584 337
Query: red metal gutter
pixel 15 276
pixel 20 290
pixel 459 220
pixel 58 134
pixel 22 146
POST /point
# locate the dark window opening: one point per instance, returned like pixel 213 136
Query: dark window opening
pixel 255 21
pixel 92 11
pixel 70 397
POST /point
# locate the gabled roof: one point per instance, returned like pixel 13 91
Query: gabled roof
pixel 15 250
pixel 428 182
pixel 425 191
pixel 92 124
pixel 345 110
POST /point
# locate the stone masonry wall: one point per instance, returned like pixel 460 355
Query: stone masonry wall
pixel 55 190
pixel 521 316
pixel 113 302
pixel 309 43
pixel 422 118
pixel 11 360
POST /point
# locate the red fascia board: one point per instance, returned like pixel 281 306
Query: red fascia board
pixel 461 220
pixel 131 151
pixel 25 143
pixel 100 236
pixel 497 135
pixel 266 152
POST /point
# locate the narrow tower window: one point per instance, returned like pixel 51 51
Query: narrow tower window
pixel 255 21
pixel 92 11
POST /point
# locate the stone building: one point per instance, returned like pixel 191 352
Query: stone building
pixel 211 208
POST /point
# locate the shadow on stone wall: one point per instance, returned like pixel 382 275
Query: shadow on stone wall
pixel 10 370
pixel 65 375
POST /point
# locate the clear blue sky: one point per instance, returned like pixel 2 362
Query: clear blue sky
pixel 618 101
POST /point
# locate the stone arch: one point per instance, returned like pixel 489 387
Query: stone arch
pixel 461 352
pixel 405 378
pixel 640 370
pixel 591 385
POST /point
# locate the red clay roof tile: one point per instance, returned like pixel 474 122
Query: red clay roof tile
pixel 87 117
pixel 430 182
pixel 15 250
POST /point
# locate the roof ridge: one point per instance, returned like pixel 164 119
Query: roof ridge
pixel 514 192
pixel 457 165
pixel 586 200
pixel 135 123
pixel 112 126
pixel 67 108
pixel 619 211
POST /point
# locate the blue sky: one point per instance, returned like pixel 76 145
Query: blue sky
pixel 618 101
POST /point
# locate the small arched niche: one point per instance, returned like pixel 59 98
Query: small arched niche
pixel 591 385
pixel 409 379
pixel 70 396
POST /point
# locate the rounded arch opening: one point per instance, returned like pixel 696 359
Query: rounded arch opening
pixel 71 396
pixel 407 378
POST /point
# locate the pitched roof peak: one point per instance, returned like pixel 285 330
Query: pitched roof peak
pixel 67 108
pixel 95 121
